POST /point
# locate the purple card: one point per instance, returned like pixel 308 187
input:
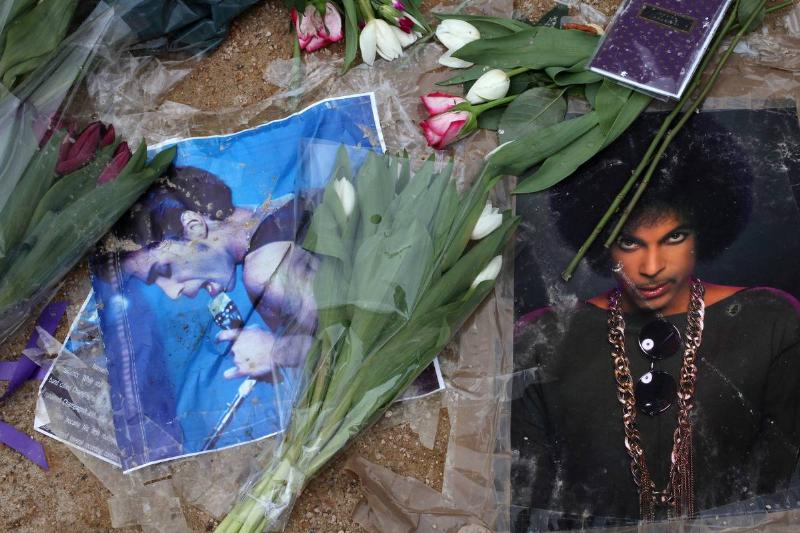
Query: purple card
pixel 655 45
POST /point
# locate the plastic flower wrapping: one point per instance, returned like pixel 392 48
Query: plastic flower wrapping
pixel 64 180
pixel 404 260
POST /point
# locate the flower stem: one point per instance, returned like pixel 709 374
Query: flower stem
pixel 366 10
pixel 684 119
pixel 514 72
pixel 478 109
pixel 712 51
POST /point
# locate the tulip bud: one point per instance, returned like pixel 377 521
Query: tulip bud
pixel 445 128
pixel 491 218
pixel 490 272
pixel 118 162
pixel 492 85
pixel 346 193
pixel 75 154
pixel 108 137
pixel 454 33
pixel 438 102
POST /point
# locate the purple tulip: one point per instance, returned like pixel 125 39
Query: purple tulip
pixel 121 157
pixel 76 153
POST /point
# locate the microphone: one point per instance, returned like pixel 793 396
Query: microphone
pixel 227 316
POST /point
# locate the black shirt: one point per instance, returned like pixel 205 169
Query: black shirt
pixel 567 421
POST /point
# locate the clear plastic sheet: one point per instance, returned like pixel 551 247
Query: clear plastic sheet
pixel 477 490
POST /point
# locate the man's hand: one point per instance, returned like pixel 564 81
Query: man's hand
pixel 257 353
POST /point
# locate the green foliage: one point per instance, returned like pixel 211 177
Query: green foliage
pixel 60 237
pixel 533 110
pixel 32 36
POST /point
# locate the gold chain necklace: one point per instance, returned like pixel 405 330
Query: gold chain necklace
pixel 679 492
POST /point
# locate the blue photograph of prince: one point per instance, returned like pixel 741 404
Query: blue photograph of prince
pixel 205 292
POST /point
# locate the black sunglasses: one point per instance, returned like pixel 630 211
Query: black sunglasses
pixel 656 390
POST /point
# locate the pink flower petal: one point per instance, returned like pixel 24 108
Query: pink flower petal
pixel 439 102
pixel 333 23
pixel 440 130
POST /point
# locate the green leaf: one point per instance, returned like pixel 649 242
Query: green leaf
pixel 746 8
pixel 374 193
pixel 384 263
pixel 531 111
pixel 405 173
pixel 34 183
pixel 533 148
pixel 470 74
pixel 537 48
pixel 413 8
pixel 590 92
pixel 490 119
pixel 574 75
pixel 611 98
pixel 455 281
pixel 489 27
pixel 75 184
pixel 35 34
pixel 562 164
pixel 350 34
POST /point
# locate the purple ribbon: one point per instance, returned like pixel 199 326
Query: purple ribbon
pixel 18 372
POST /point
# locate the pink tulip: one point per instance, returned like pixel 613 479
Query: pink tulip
pixel 445 128
pixel 315 31
pixel 121 157
pixel 439 102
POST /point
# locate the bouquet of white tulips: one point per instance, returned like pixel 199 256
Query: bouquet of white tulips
pixel 404 260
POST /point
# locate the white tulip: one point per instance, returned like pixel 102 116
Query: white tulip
pixel 491 218
pixel 490 272
pixel 378 36
pixel 448 60
pixel 346 193
pixel 405 39
pixel 492 85
pixel 454 34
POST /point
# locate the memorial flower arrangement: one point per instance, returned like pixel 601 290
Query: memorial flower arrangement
pixel 404 260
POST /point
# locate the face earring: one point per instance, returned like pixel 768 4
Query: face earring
pixel 617 268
